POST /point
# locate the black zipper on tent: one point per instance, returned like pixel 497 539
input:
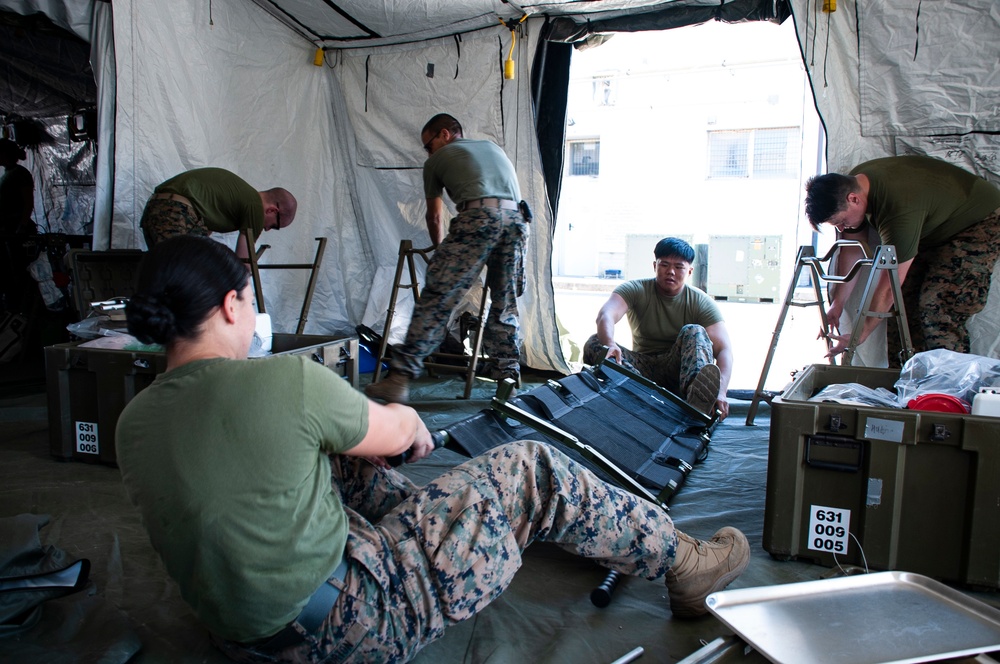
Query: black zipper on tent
pixel 368 31
pixel 350 18
pixel 503 125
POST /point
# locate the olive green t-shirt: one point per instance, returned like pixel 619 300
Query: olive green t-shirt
pixel 916 201
pixel 656 319
pixel 223 200
pixel 470 169
pixel 227 462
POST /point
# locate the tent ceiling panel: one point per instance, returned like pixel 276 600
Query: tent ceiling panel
pixel 45 70
pixel 364 23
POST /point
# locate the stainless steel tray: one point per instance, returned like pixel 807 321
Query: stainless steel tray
pixel 887 617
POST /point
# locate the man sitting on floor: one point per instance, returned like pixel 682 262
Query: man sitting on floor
pixel 681 342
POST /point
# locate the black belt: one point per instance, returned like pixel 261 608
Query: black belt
pixel 501 203
pixel 312 615
pixel 172 197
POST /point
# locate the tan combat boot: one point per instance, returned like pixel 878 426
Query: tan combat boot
pixel 704 567
pixel 394 388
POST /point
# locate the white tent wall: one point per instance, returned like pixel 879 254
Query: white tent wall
pixel 909 77
pixel 905 76
pixel 226 85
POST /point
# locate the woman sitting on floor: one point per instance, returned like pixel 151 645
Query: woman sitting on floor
pixel 264 488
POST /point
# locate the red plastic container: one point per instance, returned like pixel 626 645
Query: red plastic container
pixel 942 403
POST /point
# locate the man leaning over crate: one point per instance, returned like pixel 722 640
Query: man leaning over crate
pixel 680 339
pixel 203 201
pixel 943 222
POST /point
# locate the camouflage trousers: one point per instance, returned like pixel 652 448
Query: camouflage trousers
pixel 419 560
pixel 673 369
pixel 944 287
pixel 490 237
pixel 163 218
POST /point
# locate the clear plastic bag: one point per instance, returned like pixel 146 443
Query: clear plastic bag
pixel 95 327
pixel 858 395
pixel 942 371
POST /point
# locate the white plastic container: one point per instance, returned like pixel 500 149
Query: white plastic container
pixel 262 337
pixel 987 402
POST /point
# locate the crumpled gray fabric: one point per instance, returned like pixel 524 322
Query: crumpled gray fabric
pixel 44 618
pixel 31 574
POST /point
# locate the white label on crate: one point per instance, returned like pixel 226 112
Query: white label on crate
pixel 87 441
pixel 828 529
pixel 887 430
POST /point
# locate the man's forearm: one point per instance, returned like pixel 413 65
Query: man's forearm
pixel 435 228
pixel 882 301
pixel 435 220
pixel 605 331
pixel 724 361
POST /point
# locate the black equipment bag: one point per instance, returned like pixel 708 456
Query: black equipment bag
pixel 622 426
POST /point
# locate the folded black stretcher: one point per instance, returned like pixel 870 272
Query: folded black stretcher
pixel 628 430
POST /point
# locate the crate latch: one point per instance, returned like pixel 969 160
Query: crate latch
pixel 835 423
pixel 939 432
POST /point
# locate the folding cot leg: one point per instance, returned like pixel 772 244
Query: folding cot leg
pixel 252 257
pixel 806 258
pixel 477 344
pixel 405 260
pixel 884 261
pixel 311 287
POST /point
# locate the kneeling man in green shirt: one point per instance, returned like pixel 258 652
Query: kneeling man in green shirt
pixel 680 339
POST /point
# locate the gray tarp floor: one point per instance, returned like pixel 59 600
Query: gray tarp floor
pixel 545 615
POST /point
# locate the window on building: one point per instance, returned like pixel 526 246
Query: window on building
pixel 585 157
pixel 727 154
pixel 605 90
pixel 754 153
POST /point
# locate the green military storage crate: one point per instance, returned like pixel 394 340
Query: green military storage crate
pixel 101 275
pixel 893 489
pixel 89 387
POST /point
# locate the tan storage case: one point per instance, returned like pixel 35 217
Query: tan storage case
pixel 895 489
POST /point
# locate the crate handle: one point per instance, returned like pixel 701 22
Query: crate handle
pixel 830 441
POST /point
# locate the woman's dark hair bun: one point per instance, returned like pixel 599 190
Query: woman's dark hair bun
pixel 150 319
pixel 181 281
